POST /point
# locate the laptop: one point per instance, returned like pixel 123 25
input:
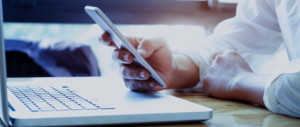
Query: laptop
pixel 86 101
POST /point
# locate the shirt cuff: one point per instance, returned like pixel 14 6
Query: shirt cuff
pixel 202 60
pixel 275 87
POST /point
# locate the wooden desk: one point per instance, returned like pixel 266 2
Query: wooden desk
pixel 226 113
pixel 233 114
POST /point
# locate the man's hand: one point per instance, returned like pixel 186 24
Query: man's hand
pixel 230 77
pixel 226 69
pixel 155 51
pixel 178 71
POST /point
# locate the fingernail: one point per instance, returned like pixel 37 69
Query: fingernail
pixel 143 75
pixel 142 51
pixel 105 42
pixel 126 57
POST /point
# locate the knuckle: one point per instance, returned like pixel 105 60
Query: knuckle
pixel 121 55
pixel 230 53
pixel 146 42
pixel 218 59
pixel 131 73
pixel 136 73
pixel 135 85
pixel 122 71
pixel 131 84
pixel 115 54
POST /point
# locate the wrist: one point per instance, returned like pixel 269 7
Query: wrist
pixel 176 71
pixel 239 84
pixel 250 87
pixel 185 74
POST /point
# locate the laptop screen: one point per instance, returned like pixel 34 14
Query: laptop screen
pixel 3 99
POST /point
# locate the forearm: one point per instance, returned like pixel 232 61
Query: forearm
pixel 250 88
pixel 186 74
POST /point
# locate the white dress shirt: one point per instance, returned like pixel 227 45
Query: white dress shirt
pixel 259 32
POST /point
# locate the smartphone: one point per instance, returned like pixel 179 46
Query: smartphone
pixel 122 43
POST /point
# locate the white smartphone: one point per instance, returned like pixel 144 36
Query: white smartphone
pixel 102 20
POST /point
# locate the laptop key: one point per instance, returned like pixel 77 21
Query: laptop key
pixel 70 104
pixel 102 105
pixel 55 103
pixel 36 100
pixel 61 108
pixel 47 109
pixel 75 107
pixel 106 107
pixel 34 109
pixel 30 105
pixel 50 99
pixel 90 107
pixel 25 101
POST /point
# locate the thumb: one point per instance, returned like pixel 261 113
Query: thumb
pixel 149 45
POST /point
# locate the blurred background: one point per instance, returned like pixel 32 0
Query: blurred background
pixel 181 22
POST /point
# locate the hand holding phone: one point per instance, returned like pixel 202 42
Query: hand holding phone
pixel 131 72
pixel 137 56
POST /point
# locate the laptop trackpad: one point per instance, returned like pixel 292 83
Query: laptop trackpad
pixel 146 94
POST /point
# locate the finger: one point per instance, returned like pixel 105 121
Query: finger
pixel 106 40
pixel 130 72
pixel 122 56
pixel 140 85
pixel 218 51
pixel 206 85
pixel 230 53
pixel 149 45
pixel 218 60
pixel 135 41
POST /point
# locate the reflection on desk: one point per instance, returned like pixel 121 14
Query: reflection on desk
pixel 230 113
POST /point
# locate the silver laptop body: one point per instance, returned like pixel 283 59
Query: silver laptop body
pixel 100 101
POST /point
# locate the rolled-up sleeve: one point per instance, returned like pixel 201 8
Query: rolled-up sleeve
pixel 282 92
pixel 254 33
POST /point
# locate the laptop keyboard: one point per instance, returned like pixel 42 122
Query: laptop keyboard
pixel 47 98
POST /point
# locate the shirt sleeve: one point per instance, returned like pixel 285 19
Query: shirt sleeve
pixel 254 33
pixel 282 92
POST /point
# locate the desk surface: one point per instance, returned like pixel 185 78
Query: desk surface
pixel 231 113
pixel 227 113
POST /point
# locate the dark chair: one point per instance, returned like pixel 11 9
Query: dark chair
pixel 18 64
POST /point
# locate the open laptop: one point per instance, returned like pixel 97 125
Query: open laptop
pixel 86 101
